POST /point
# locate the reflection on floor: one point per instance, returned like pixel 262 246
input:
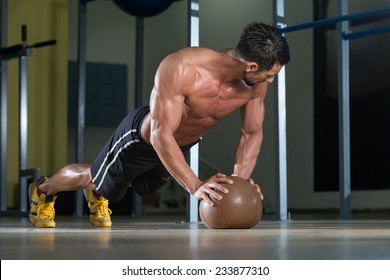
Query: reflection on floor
pixel 168 237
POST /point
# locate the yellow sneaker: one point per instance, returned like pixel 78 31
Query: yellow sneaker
pixel 42 210
pixel 99 214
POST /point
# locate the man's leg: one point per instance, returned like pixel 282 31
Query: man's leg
pixel 151 181
pixel 43 194
pixel 70 178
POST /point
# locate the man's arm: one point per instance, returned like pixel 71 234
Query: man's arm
pixel 173 81
pixel 252 117
pixel 166 109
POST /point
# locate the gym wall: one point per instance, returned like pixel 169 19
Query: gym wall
pixel 47 88
pixel 221 22
pixel 111 40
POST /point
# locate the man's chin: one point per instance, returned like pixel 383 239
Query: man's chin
pixel 249 83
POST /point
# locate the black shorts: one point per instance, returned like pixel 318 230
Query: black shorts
pixel 126 160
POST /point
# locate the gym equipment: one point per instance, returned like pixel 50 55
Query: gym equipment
pixel 22 51
pixel 343 95
pixel 143 8
pixel 193 41
pixel 129 7
pixel 241 207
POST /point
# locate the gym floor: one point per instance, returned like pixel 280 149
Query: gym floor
pixel 168 237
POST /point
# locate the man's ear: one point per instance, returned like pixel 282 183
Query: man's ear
pixel 251 67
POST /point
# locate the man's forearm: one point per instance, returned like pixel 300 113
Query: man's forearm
pixel 173 159
pixel 247 154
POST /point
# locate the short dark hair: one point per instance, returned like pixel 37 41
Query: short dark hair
pixel 264 44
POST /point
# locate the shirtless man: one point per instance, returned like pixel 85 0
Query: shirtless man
pixel 194 89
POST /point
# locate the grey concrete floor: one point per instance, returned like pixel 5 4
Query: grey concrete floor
pixel 168 238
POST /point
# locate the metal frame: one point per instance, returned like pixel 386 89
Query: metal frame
pixel 3 109
pixel 193 40
pixel 21 52
pixel 139 90
pixel 281 127
pixel 81 58
pixel 343 77
pixel 344 121
pixel 24 172
pixel 357 35
pixel 341 18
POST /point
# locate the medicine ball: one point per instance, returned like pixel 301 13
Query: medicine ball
pixel 241 207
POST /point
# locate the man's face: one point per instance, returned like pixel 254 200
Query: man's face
pixel 260 76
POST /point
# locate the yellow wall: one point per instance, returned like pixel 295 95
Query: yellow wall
pixel 47 88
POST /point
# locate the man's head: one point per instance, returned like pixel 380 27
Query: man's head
pixel 264 45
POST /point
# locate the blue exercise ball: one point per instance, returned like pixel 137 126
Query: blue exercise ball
pixel 143 8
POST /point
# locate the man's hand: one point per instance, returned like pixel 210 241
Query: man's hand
pixel 257 187
pixel 212 187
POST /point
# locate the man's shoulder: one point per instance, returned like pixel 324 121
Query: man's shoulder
pixel 194 52
pixel 191 56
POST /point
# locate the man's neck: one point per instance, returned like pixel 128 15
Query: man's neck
pixel 235 54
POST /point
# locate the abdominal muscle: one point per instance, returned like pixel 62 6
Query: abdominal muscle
pixel 189 130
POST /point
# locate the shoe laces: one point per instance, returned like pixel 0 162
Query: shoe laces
pixel 100 207
pixel 46 210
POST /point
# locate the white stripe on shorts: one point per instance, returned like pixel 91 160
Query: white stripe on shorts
pixel 115 157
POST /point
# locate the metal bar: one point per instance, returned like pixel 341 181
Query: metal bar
pixel 139 61
pixel 280 120
pixel 193 40
pixel 139 90
pixel 3 109
pixel 23 119
pixel 344 17
pixel 371 32
pixel 344 120
pixel 81 55
pixel 281 147
pixel 193 26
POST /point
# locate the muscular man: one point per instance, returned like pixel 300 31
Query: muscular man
pixel 194 88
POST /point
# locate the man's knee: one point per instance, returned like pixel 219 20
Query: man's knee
pixel 148 186
pixel 117 196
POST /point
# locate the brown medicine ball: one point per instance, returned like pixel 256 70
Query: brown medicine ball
pixel 241 207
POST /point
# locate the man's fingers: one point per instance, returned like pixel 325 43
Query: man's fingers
pixel 214 190
pixel 220 178
pixel 206 198
pixel 257 186
pixel 219 175
pixel 207 194
pixel 217 187
pixel 259 190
